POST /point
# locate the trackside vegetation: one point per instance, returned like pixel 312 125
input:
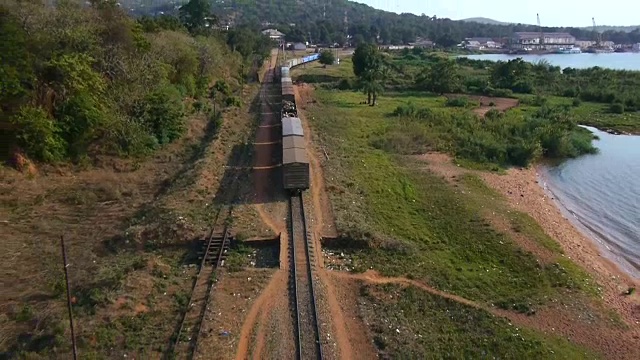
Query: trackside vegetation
pixel 454 330
pixel 397 217
pixel 80 81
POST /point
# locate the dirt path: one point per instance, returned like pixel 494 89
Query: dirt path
pixel 324 225
pixel 273 298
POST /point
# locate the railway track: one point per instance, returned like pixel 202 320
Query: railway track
pixel 308 345
pixel 215 246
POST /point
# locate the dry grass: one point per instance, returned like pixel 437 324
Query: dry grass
pixel 128 225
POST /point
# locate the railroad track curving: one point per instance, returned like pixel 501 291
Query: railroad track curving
pixel 308 345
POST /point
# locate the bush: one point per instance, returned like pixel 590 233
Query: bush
pixel 458 102
pixel 617 108
pixel 345 84
pixel 38 134
pixel 576 102
pixel 407 110
pixel 162 113
pixel 498 92
pixel 493 114
pixel 233 101
pixel 540 100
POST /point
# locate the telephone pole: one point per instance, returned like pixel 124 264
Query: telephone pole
pixel 66 279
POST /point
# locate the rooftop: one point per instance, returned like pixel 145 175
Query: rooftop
pixel 272 32
pixel 535 35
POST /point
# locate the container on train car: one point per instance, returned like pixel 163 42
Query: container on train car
pixel 295 168
pixel 288 93
pixel 292 126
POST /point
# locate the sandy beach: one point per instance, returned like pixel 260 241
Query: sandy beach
pixel 523 189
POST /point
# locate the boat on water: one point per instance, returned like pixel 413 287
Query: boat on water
pixel 569 50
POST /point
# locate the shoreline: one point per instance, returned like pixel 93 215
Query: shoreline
pixel 523 191
pixel 600 241
pixel 552 217
pixel 576 245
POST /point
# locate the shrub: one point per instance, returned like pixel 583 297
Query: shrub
pixel 493 114
pixel 79 120
pixel 38 134
pixel 233 101
pixel 345 84
pixel 408 110
pixel 576 102
pixel 617 108
pixel 458 102
pixel 540 100
pixel 162 112
pixel 498 92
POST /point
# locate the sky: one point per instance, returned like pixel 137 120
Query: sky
pixel 552 12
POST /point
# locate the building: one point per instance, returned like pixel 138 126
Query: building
pixel 584 44
pixel 550 41
pixel 636 47
pixel 395 47
pixel 481 44
pixel 423 43
pixel 299 46
pixel 273 34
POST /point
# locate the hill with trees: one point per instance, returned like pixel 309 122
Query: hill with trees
pixel 316 22
pixel 82 80
pixel 483 20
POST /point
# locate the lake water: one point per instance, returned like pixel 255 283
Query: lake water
pixel 620 61
pixel 602 193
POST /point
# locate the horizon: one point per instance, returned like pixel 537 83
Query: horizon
pixel 552 13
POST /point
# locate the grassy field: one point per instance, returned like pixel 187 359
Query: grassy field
pixel 591 114
pixel 398 218
pixel 453 331
pixel 415 223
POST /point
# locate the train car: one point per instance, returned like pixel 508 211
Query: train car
pixel 295 164
pixel 292 126
pixel 288 93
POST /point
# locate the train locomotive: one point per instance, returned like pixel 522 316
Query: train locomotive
pixel 295 163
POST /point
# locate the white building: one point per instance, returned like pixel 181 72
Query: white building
pixel 481 44
pixel 550 41
pixel 636 47
pixel 273 34
pixel 583 44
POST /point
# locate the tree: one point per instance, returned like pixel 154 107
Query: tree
pixel 440 77
pixel 327 57
pixel 196 15
pixel 368 67
pixel 366 58
pixel 511 74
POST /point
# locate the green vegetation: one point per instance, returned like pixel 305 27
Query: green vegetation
pixel 453 330
pixel 369 68
pixel 409 222
pixel 317 21
pixel 80 81
pixel 327 57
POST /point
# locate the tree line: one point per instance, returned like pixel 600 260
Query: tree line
pixel 324 23
pixel 82 80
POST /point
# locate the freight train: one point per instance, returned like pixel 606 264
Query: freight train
pixel 295 164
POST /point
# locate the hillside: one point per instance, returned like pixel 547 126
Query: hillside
pixel 315 22
pixel 483 20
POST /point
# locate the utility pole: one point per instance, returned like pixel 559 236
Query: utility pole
pixel 66 279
